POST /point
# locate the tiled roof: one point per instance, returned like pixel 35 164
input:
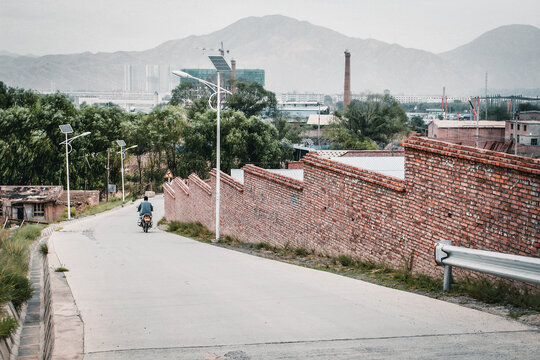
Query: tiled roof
pixel 30 194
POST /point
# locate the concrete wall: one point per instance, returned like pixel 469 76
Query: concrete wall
pixel 476 198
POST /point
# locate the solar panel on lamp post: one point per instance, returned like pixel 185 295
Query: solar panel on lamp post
pixel 67 129
pixel 221 66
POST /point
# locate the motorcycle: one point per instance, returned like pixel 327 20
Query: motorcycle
pixel 146 222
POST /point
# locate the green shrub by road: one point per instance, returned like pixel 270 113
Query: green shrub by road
pixel 14 258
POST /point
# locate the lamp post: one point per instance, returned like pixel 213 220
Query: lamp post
pixel 122 153
pixel 221 66
pixel 67 129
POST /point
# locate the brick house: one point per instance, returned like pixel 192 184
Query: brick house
pixel 42 204
pixel 490 133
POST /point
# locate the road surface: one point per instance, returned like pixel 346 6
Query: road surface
pixel 162 296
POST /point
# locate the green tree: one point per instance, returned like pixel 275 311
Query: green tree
pixel 416 123
pixel 377 119
pixel 188 92
pixel 243 141
pixel 252 99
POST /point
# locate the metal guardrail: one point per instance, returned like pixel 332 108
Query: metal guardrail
pixel 515 267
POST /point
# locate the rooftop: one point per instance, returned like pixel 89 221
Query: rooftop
pixel 448 124
pixel 324 119
pixel 30 194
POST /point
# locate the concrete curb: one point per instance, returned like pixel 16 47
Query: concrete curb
pixel 65 327
pixel 62 329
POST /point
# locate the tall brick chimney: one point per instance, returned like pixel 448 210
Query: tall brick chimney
pixel 347 90
pixel 233 75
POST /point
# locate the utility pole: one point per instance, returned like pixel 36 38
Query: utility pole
pixel 107 175
pixel 515 125
pixel 319 124
pixel 486 98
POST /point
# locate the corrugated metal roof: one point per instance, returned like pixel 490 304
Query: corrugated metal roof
pixel 446 124
pixel 391 165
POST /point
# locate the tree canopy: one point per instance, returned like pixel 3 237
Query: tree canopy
pixel 367 123
pixel 252 99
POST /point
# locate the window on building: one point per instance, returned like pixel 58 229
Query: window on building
pixel 511 136
pixel 518 139
pixel 534 141
pixel 39 210
pixel 524 127
pixel 512 126
pixel 519 125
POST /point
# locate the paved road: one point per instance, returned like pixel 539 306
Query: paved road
pixel 161 296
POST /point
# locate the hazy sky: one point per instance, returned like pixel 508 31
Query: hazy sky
pixel 70 26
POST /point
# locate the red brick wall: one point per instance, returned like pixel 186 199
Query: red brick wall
pixel 476 198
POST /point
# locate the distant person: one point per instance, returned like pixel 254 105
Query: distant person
pixel 145 207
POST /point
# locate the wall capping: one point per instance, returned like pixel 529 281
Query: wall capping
pixel 387 181
pixel 227 179
pixel 181 184
pixel 197 181
pixel 483 156
pixel 169 190
pixel 281 179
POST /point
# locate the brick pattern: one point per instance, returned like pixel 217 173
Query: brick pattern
pixel 476 198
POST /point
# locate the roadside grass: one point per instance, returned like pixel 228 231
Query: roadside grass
pixel 193 230
pixel 61 269
pixel 14 259
pixel 484 290
pixel 91 210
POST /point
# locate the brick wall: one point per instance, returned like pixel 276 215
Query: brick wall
pixel 476 198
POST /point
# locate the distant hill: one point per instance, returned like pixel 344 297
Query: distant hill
pixel 510 54
pixel 297 55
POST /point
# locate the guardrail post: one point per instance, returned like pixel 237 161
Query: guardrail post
pixel 447 278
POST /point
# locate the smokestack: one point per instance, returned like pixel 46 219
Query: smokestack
pixel 347 90
pixel 233 75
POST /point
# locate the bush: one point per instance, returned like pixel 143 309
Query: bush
pixel 28 232
pixel 43 249
pixel 18 287
pixel 345 260
pixel 8 325
pixel 300 252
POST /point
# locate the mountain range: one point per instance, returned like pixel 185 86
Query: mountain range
pixel 299 56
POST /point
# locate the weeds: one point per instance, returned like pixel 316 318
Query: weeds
pixel 44 249
pixel 61 269
pixel 500 292
pixel 194 230
pixel 162 221
pixel 8 325
pixel 301 252
pixel 345 260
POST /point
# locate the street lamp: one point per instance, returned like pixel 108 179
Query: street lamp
pixel 122 153
pixel 67 129
pixel 221 66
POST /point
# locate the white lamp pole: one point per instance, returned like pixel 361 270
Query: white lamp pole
pixel 67 180
pixel 218 157
pixel 221 66
pixel 122 153
pixel 67 129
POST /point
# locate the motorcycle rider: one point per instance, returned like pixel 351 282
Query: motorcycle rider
pixel 145 207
